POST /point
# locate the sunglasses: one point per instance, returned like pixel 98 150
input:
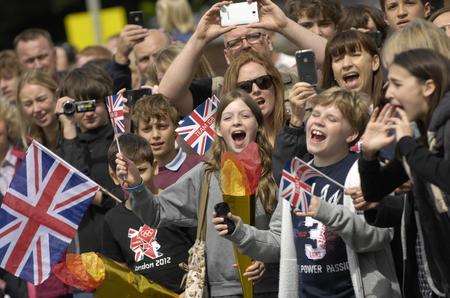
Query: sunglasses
pixel 263 83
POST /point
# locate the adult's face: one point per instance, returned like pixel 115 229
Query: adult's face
pixel 37 54
pixel 38 104
pixel 355 71
pixel 263 95
pixel 443 22
pixel 145 51
pixel 8 86
pixel 243 39
pixel 400 12
pixel 318 25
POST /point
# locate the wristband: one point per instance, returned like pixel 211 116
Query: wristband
pixel 137 188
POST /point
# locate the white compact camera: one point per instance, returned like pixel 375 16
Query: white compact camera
pixel 240 13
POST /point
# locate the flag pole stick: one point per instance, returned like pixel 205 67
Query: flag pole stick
pixel 104 190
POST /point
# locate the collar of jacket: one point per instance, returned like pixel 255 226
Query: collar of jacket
pixel 103 132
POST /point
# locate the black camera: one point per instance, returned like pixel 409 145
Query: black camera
pixel 133 96
pixel 72 107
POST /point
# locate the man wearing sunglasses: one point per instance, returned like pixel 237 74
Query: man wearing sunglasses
pixel 178 86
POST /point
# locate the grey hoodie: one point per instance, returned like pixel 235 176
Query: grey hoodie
pixel 177 205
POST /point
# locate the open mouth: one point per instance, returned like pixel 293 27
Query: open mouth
pixel 317 136
pixel 260 101
pixel 351 80
pixel 238 136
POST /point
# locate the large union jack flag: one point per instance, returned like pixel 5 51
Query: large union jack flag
pixel 197 129
pixel 115 105
pixel 40 214
pixel 295 185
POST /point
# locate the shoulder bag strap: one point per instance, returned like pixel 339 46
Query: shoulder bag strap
pixel 201 215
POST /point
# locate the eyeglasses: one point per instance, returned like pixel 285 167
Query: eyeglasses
pixel 263 83
pixel 251 38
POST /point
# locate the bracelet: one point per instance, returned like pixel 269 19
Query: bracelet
pixel 137 188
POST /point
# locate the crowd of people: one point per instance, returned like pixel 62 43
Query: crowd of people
pixel 377 124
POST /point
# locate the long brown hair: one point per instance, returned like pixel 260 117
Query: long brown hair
pixel 348 42
pixel 267 187
pixel 426 64
pixel 232 74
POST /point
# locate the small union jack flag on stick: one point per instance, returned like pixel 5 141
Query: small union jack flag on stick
pixel 197 129
pixel 297 182
pixel 116 105
pixel 40 214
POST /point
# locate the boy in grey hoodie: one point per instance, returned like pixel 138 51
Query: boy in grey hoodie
pixel 331 250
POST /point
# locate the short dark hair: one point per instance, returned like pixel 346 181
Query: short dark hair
pixel 134 147
pixel 438 13
pixel 32 34
pixel 357 16
pixel 85 83
pixel 154 106
pixel 383 2
pixel 329 9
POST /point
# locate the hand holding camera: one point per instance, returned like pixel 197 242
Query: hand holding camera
pixel 223 224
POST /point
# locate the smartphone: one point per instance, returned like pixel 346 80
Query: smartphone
pixel 222 209
pixel 306 66
pixel 377 36
pixel 240 13
pixel 136 18
pixel 133 96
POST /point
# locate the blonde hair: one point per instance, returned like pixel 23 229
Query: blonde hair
pixel 266 190
pixel 175 14
pixel 14 131
pixel 417 34
pixel 34 77
pixel 165 57
pixel 353 105
pixel 232 74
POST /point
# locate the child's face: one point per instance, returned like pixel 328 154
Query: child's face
pixel 407 92
pixel 161 135
pixel 328 132
pixel 146 171
pixel 400 12
pixel 238 126
pixel 94 119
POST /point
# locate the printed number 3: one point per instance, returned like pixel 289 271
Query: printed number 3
pixel 318 235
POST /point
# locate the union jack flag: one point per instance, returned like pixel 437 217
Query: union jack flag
pixel 115 105
pixel 295 184
pixel 40 214
pixel 197 129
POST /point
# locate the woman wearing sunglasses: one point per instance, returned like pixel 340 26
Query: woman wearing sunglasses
pixel 259 78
